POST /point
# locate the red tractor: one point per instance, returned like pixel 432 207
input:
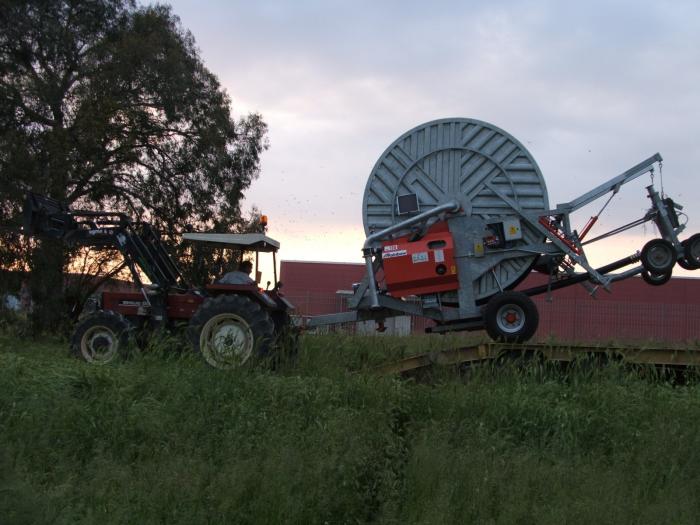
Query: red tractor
pixel 227 323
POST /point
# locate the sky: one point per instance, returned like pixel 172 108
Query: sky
pixel 590 88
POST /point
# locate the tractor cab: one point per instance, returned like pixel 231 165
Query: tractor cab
pixel 244 242
pixel 270 296
pixel 237 320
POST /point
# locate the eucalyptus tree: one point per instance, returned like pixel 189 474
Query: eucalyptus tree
pixel 108 104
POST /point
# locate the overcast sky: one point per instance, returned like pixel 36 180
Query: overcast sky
pixel 590 88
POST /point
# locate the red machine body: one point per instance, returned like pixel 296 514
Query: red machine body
pixel 421 266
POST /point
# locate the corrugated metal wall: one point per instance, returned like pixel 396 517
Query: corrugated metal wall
pixel 585 319
pixel 633 312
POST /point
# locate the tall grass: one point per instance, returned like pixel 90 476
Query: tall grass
pixel 162 438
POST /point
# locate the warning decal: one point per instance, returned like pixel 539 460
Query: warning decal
pixel 420 257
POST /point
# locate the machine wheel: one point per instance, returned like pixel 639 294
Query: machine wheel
pixel 229 329
pixel 684 264
pixel 101 337
pixel 511 317
pixel 691 253
pixel 656 279
pixel 658 256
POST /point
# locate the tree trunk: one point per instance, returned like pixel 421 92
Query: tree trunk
pixel 47 286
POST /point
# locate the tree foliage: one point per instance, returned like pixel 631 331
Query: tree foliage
pixel 106 104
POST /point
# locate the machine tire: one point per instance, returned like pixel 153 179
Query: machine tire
pixel 656 279
pixel 685 265
pixel 101 337
pixel 511 317
pixel 658 256
pixel 230 329
pixel 691 252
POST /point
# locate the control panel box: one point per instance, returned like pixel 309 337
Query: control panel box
pixel 420 266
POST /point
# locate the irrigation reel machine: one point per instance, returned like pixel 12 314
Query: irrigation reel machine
pixel 456 215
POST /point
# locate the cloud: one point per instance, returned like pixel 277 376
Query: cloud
pixel 590 89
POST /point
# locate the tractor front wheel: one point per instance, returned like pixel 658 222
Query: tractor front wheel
pixel 511 317
pixel 229 329
pixel 101 337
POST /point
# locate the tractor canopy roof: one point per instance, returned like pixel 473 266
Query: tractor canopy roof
pixel 240 241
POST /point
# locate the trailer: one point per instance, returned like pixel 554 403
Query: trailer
pixel 470 356
pixel 456 214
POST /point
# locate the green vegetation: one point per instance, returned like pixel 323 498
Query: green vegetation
pixel 161 438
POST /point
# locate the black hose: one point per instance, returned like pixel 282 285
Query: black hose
pixel 576 279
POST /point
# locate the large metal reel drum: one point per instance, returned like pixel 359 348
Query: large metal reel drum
pixel 459 158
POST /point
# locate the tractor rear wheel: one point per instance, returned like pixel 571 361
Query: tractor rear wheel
pixel 511 317
pixel 101 337
pixel 230 329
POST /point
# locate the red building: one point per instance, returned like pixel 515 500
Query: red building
pixel 312 286
pixel 632 311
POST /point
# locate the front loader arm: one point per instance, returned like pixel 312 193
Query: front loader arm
pixel 138 242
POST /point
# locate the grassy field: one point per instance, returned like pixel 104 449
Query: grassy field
pixel 161 438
